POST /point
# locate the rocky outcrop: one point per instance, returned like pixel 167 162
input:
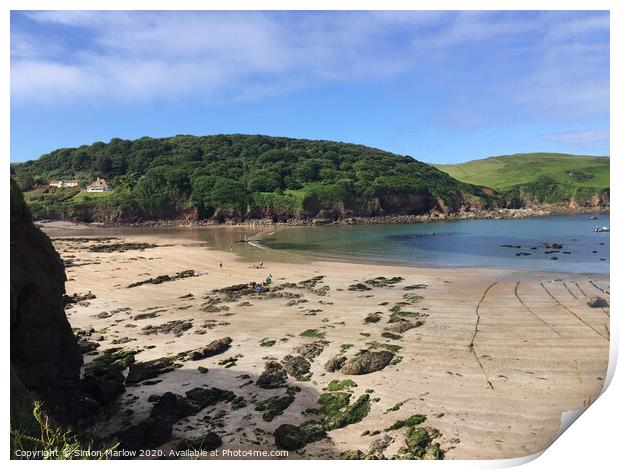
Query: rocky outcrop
pixel 172 407
pixel 274 376
pixel 311 350
pixel 291 437
pixel 367 363
pixel 297 366
pixel 399 326
pixel 46 357
pixel 214 348
pixel 147 434
pixel 335 363
pixel 156 429
pixel 408 203
pixel 597 301
pixel 44 352
pixel 141 371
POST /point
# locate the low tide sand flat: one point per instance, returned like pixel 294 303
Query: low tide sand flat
pixel 491 358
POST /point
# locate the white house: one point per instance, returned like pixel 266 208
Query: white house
pixel 64 183
pixel 98 186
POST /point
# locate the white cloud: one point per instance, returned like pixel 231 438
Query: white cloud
pixel 169 54
pixel 42 79
pixel 581 138
pixel 248 55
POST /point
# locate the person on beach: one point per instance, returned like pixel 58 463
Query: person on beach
pixel 221 264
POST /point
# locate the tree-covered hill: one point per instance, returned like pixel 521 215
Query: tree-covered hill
pixel 240 176
pixel 540 177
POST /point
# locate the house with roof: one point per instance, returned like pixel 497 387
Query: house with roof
pixel 64 183
pixel 98 186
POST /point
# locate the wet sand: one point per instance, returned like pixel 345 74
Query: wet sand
pixel 499 356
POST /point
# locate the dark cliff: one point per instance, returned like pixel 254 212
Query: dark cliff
pixel 45 356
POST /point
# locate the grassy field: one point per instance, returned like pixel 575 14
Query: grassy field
pixel 57 204
pixel 86 197
pixel 505 172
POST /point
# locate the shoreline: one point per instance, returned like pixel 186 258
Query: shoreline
pixel 259 252
pixel 541 211
pixel 535 373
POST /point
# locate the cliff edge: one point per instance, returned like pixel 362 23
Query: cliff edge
pixel 45 356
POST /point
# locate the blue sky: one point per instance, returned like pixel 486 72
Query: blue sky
pixel 439 86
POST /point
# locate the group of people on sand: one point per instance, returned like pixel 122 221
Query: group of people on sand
pixel 261 287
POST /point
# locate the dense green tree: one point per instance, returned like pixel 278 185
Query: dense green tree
pixel 307 170
pixel 162 189
pixel 104 165
pixel 201 190
pixel 26 182
pixel 228 194
pixel 232 173
pixel 262 181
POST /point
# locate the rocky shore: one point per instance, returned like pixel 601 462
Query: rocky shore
pixel 537 211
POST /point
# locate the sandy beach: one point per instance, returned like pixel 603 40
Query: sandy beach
pixel 492 361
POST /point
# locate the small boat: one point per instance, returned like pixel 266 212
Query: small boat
pixel 601 229
pixel 593 217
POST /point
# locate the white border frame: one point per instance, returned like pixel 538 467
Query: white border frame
pixel 590 443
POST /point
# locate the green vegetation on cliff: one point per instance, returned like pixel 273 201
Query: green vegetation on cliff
pixel 539 177
pixel 18 206
pixel 243 176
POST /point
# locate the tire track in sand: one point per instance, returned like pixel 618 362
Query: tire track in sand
pixel 598 287
pixel 531 311
pixel 472 347
pixel 580 289
pixel 569 291
pixel 572 313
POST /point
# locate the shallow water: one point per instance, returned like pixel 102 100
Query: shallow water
pixel 464 243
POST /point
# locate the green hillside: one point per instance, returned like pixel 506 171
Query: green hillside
pixel 538 177
pixel 240 176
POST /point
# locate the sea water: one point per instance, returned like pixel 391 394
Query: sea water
pixel 521 244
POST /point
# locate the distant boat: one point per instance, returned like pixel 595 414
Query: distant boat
pixel 594 217
pixel 601 229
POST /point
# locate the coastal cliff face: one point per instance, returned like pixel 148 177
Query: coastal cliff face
pixel 596 199
pixel 388 206
pixel 384 206
pixel 389 210
pixel 601 199
pixel 45 355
